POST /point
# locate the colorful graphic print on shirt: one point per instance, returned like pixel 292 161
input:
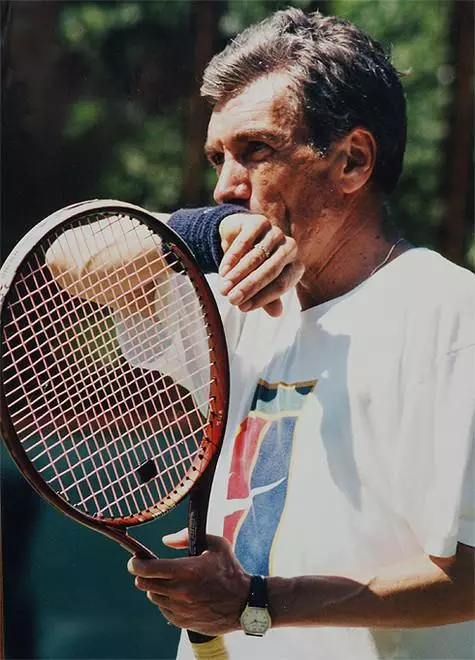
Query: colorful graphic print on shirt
pixel 259 471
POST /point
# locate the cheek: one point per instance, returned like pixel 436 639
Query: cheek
pixel 307 195
pixel 292 194
pixel 311 203
pixel 268 186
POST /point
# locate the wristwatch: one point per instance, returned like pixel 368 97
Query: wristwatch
pixel 255 619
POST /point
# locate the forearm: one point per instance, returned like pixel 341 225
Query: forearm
pixel 418 592
pixel 122 251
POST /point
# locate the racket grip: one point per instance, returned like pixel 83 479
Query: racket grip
pixel 198 510
pixel 213 649
pixel 204 647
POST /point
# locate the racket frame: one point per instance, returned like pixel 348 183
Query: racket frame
pixel 197 487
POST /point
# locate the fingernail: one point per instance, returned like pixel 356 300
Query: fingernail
pixel 235 297
pixel 224 270
pixel 226 286
pixel 245 307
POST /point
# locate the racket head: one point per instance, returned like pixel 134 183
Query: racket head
pixel 73 411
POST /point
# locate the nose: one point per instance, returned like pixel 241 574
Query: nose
pixel 233 183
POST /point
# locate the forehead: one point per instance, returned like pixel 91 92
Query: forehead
pixel 266 104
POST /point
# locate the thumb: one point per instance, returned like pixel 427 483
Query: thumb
pixel 217 543
pixel 229 228
pixel 177 540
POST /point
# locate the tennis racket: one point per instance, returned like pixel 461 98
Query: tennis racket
pixel 114 374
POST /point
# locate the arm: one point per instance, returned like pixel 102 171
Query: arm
pixel 81 257
pixel 118 251
pixel 417 592
pixel 208 593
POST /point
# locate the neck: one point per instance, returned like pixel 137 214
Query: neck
pixel 358 247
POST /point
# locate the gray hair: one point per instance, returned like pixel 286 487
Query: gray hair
pixel 341 78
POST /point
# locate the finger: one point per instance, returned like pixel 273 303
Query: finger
pixel 274 308
pixel 249 234
pixel 161 601
pixel 166 569
pixel 230 227
pixel 151 584
pixel 269 296
pixel 168 615
pixel 255 257
pixel 161 587
pixel 174 618
pixel 177 540
pixel 262 276
pixel 168 590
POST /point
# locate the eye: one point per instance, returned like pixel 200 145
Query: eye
pixel 216 158
pixel 257 150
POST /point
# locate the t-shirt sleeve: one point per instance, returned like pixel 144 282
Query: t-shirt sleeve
pixel 436 464
pixel 156 344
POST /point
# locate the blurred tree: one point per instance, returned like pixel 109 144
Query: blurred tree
pixel 457 174
pixel 417 35
pixel 118 101
pixel 205 29
pixel 136 59
pixel 33 107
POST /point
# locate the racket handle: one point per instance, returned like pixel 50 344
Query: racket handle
pixel 204 647
pixel 198 510
pixel 213 649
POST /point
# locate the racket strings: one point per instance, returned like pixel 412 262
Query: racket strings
pixel 60 304
pixel 50 300
pixel 159 452
pixel 61 337
pixel 95 352
pixel 70 387
pixel 106 464
pixel 184 417
pixel 85 451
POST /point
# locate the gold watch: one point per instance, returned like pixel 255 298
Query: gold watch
pixel 255 619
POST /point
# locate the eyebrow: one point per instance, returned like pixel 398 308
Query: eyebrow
pixel 259 134
pixel 251 134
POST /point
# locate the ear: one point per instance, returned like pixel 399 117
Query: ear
pixel 357 157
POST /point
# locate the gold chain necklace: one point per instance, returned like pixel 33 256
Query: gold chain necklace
pixel 386 258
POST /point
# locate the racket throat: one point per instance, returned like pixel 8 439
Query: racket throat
pixel 130 544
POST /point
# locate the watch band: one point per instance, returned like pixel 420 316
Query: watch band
pixel 258 592
pixel 255 619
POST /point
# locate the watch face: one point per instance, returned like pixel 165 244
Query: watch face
pixel 255 620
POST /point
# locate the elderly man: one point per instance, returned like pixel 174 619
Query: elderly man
pixel 341 522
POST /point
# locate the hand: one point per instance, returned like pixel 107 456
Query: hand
pixel 260 262
pixel 206 594
pixel 116 262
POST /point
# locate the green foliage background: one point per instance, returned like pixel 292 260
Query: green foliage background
pixel 145 163
pixel 416 33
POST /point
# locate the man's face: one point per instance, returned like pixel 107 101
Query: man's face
pixel 258 145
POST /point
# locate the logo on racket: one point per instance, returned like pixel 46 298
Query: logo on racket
pixel 259 472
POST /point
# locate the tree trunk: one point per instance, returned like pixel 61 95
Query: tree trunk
pixel 205 19
pixel 458 185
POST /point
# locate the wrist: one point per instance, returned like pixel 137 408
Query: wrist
pixel 199 228
pixel 280 593
pixel 255 619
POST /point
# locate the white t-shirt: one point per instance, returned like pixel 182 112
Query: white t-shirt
pixel 349 446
